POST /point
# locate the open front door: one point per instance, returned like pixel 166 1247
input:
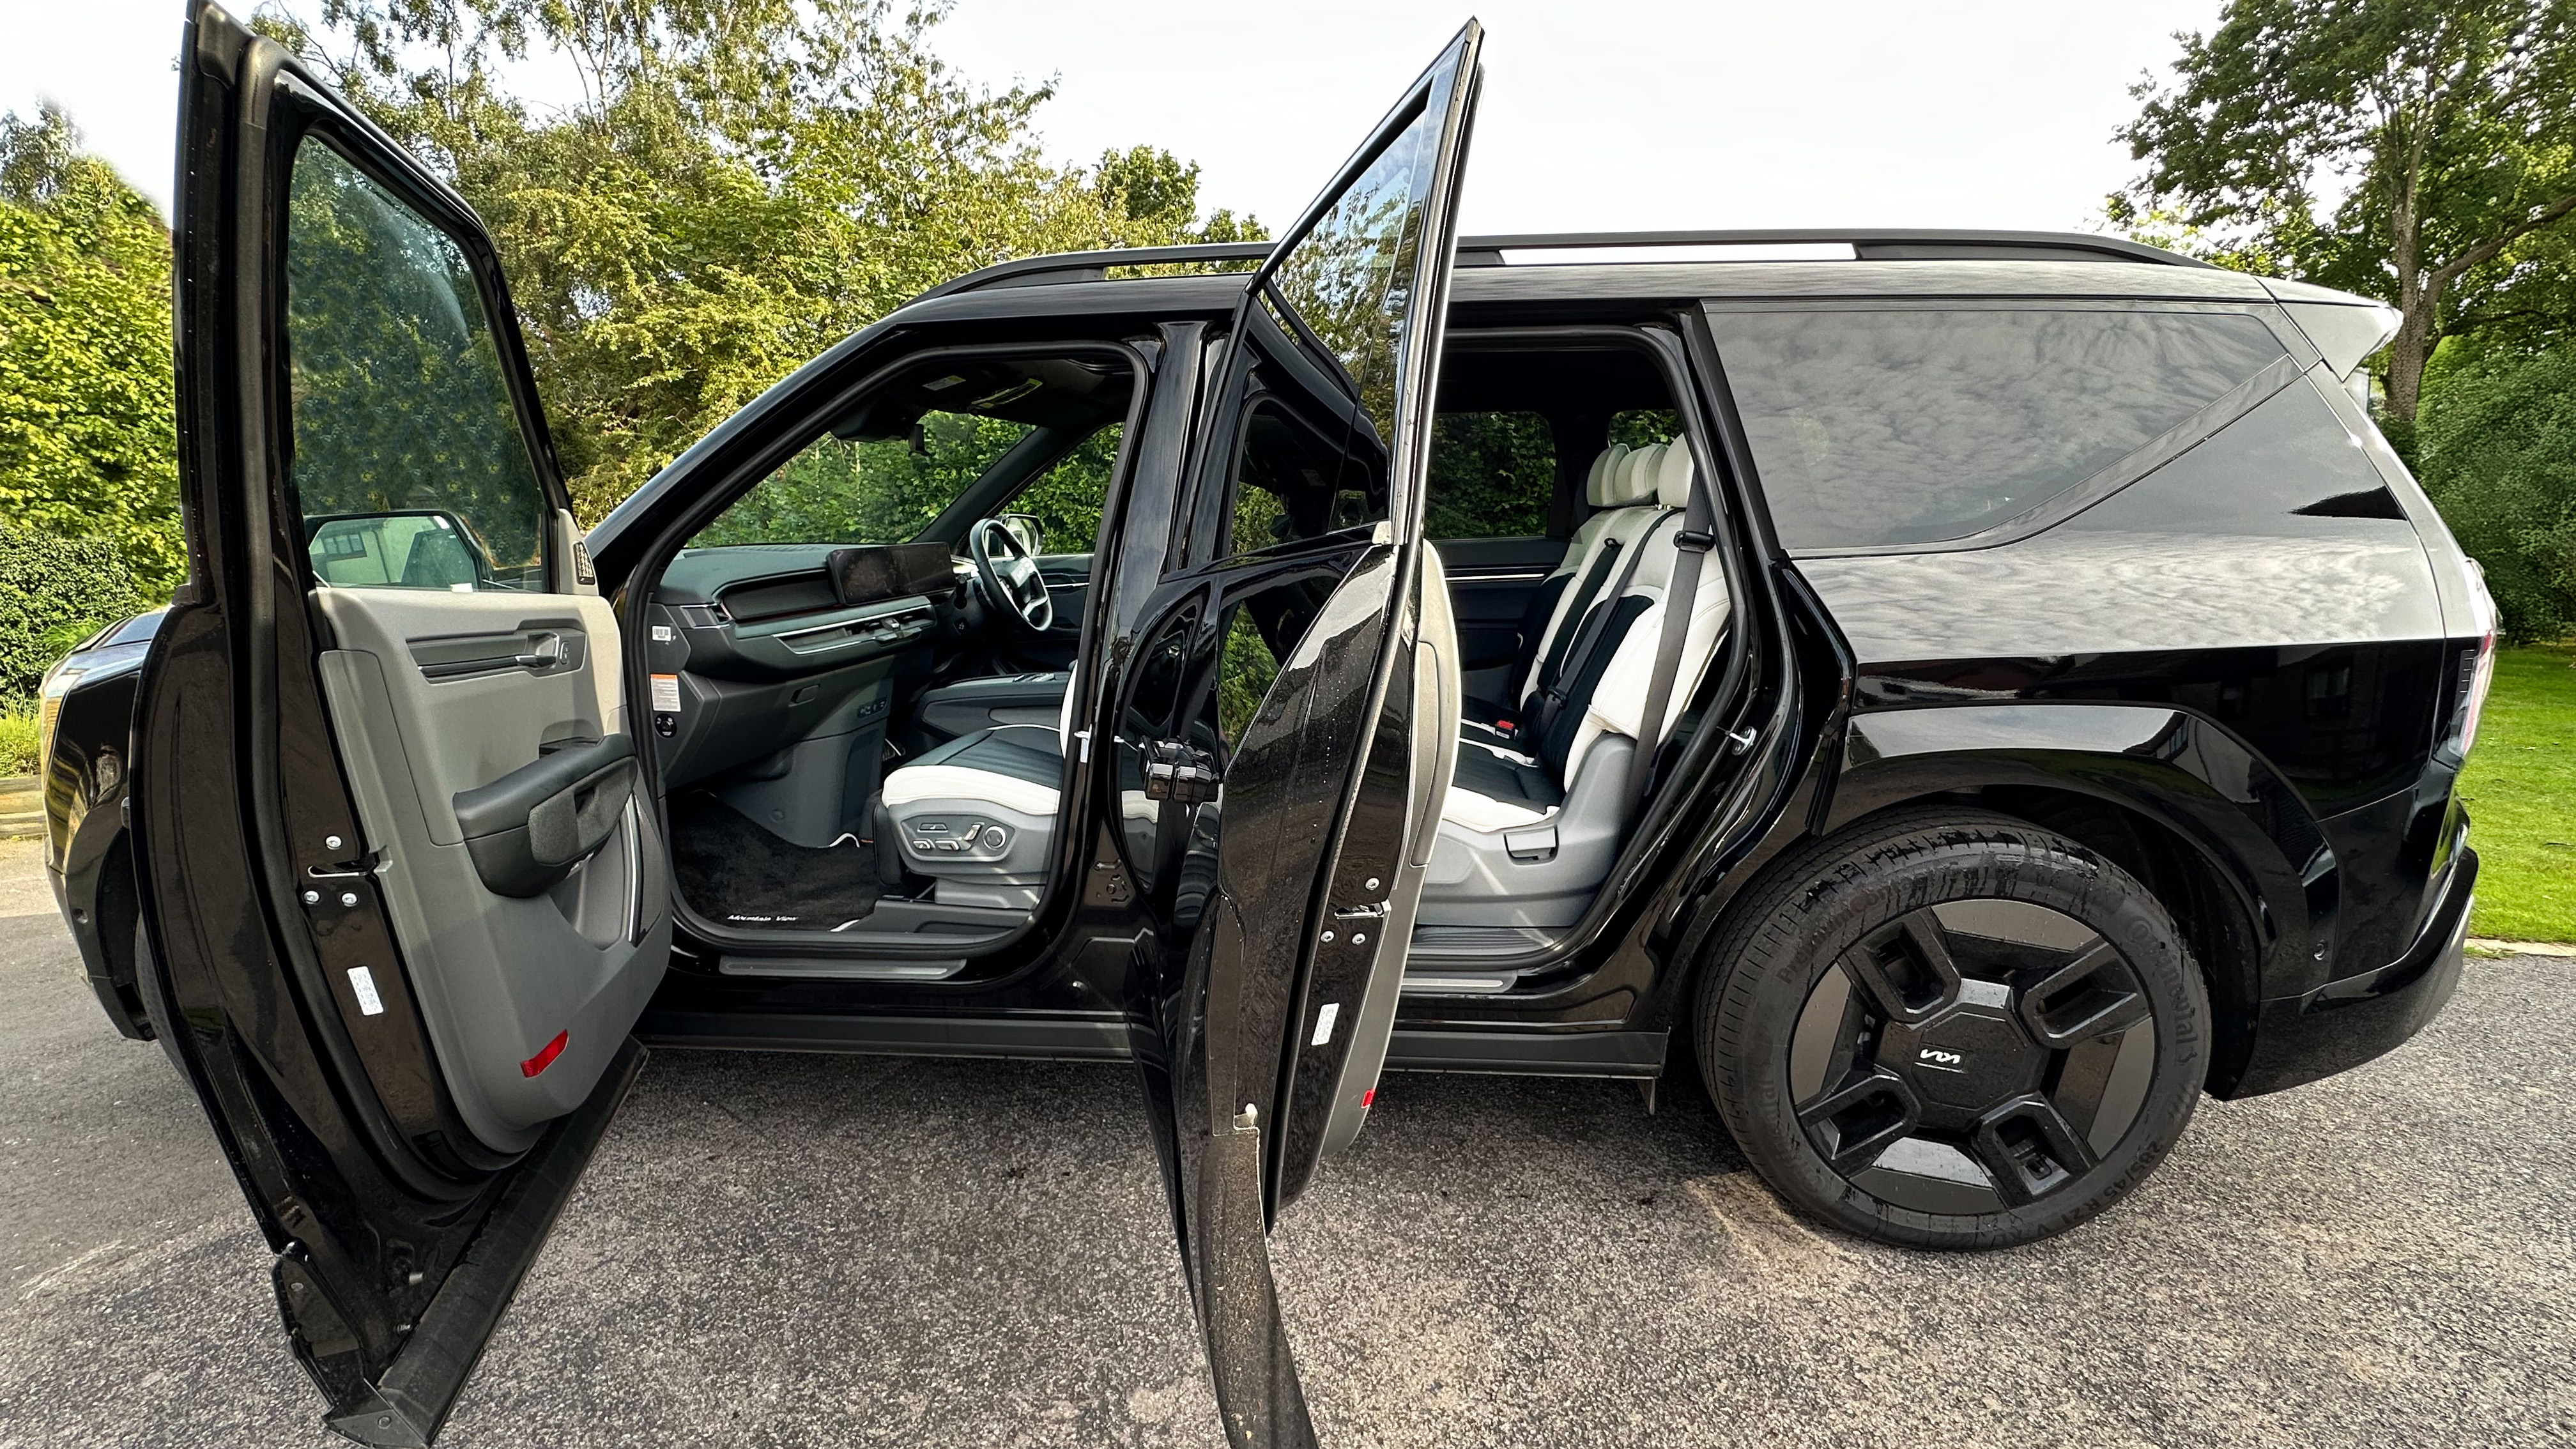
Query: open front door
pixel 1285 728
pixel 402 904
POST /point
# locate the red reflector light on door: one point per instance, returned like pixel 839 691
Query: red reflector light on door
pixel 546 1057
pixel 1368 1097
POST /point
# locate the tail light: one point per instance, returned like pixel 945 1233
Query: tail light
pixel 2477 671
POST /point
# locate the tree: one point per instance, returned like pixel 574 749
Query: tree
pixel 744 183
pixel 2448 127
pixel 2498 456
pixel 88 448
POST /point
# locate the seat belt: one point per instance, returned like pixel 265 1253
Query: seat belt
pixel 1552 700
pixel 1698 536
pixel 1544 672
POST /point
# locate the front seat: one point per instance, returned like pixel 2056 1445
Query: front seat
pixel 977 815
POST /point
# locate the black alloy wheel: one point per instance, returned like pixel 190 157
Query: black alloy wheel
pixel 1953 1030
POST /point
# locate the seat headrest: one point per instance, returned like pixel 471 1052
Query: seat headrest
pixel 1673 470
pixel 1633 481
pixel 1596 482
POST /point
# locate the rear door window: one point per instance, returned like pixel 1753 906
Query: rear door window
pixel 1882 429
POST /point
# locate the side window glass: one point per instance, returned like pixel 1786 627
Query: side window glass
pixel 409 464
pixel 1349 281
pixel 889 468
pixel 2286 469
pixel 866 489
pixel 1492 475
pixel 1903 427
pixel 1645 427
pixel 1243 677
pixel 1290 484
pixel 1067 499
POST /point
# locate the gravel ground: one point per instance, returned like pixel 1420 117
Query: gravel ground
pixel 788 1251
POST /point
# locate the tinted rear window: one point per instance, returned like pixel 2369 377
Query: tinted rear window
pixel 1880 429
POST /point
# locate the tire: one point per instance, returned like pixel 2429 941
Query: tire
pixel 1952 1029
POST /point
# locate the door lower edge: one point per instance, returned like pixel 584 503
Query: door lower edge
pixel 1104 1038
pixel 411 1398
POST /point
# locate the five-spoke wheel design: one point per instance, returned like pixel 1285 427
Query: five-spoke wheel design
pixel 1952 1028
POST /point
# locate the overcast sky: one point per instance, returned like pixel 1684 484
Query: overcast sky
pixel 1607 114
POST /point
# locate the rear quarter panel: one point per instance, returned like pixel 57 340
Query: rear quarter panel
pixel 2233 633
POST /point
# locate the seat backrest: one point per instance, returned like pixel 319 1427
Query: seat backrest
pixel 1605 690
pixel 1621 487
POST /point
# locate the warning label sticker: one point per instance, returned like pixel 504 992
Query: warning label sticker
pixel 666 694
pixel 363 982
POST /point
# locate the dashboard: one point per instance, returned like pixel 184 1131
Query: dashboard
pixel 756 649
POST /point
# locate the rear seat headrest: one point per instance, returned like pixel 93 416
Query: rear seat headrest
pixel 1632 479
pixel 1596 483
pixel 1673 470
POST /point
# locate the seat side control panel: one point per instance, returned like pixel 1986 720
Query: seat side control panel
pixel 956 837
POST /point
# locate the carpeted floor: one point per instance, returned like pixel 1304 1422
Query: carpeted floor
pixel 732 870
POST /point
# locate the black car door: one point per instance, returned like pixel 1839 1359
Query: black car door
pixel 1283 728
pixel 402 903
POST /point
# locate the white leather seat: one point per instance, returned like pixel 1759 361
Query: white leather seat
pixel 1620 486
pixel 978 814
pixel 1527 834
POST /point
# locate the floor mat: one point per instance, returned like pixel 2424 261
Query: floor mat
pixel 731 870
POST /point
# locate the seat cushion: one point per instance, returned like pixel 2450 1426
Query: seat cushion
pixel 1014 765
pixel 1495 790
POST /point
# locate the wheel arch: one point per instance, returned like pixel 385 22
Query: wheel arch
pixel 2224 843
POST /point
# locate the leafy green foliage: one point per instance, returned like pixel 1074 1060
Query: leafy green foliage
pixel 399 397
pixel 2447 128
pixel 1248 670
pixel 19 739
pixel 1645 427
pixel 1492 475
pixel 87 443
pixel 53 593
pixel 882 490
pixel 747 183
pixel 1068 499
pixel 2498 454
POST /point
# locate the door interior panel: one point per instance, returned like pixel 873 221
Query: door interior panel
pixel 528 989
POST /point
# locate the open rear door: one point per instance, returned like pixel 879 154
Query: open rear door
pixel 401 903
pixel 1288 723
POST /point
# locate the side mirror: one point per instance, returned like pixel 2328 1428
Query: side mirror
pixel 1028 529
pixel 427 548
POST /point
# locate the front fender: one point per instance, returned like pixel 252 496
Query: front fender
pixel 2183 772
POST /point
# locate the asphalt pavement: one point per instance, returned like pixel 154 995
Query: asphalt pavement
pixel 781 1250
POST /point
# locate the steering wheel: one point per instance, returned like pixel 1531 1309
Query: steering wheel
pixel 1008 576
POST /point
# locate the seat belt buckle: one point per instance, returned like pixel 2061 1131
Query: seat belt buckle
pixel 1507 729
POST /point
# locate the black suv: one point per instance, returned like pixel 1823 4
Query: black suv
pixel 1977 691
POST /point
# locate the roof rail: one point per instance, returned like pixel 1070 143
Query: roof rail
pixel 1092 266
pixel 1867 244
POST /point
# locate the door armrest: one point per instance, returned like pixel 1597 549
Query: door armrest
pixel 528 829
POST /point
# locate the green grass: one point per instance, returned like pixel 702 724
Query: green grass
pixel 17 743
pixel 2521 792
